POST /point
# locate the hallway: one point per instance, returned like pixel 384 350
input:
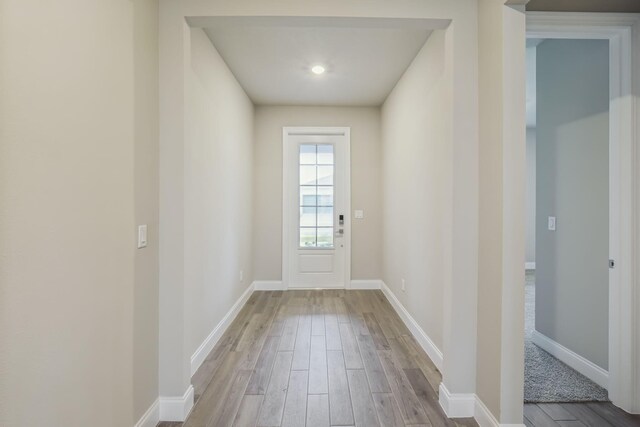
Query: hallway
pixel 317 358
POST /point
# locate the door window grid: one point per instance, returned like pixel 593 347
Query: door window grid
pixel 316 196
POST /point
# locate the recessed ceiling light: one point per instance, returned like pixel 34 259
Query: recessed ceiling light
pixel 317 69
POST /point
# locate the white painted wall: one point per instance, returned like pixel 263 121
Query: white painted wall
pixel 572 277
pixel 366 238
pixel 417 167
pixel 218 190
pixel 78 170
pixel 501 254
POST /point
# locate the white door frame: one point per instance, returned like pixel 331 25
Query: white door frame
pixel 286 214
pixel 623 33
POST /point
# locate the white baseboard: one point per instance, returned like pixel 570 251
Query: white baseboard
pixel 366 284
pixel 529 265
pixel 151 418
pixel 268 285
pixel 587 368
pixel 420 335
pixel 456 405
pixel 176 408
pixel 207 345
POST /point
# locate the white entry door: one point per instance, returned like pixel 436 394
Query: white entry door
pixel 316 204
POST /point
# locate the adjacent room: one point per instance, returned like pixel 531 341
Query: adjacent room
pixel 567 224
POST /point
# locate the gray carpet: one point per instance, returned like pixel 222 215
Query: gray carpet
pixel 546 379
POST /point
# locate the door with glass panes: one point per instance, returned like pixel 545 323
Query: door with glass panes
pixel 316 223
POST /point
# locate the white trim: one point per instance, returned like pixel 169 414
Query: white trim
pixel 485 418
pixel 587 368
pixel 529 265
pixel 420 335
pixel 176 408
pixel 623 33
pixel 207 345
pixel 269 285
pixel 151 418
pixel 456 405
pixel 366 284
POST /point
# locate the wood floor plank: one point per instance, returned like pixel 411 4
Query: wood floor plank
pixel 339 398
pixel 387 409
pixel 358 323
pixel 364 411
pixel 376 332
pixel 350 348
pixel 401 353
pixel 570 424
pixel 200 380
pixel 289 331
pixel 302 346
pixel 538 417
pixel 377 378
pixel 274 399
pixel 318 410
pixel 247 415
pixel 430 371
pixel 557 412
pixel 341 311
pixel 260 378
pixel 332 332
pixel 428 398
pixel 408 402
pixel 318 381
pixel 255 345
pixel 210 402
pixel 586 415
pixel 614 415
pixel 317 320
pixel 295 408
pixel 233 400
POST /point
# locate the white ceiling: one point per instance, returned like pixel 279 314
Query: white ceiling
pixel 272 57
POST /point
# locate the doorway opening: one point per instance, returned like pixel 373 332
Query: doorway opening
pixel 567 280
pixel 611 369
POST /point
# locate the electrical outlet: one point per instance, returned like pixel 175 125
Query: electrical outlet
pixel 241 275
pixel 142 236
pixel 404 285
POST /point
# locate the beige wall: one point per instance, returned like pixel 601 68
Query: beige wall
pixel 218 191
pixel 500 323
pixel 366 237
pixel 145 297
pixel 416 155
pixel 78 122
pixel 572 277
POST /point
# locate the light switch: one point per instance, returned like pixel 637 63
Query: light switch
pixel 358 214
pixel 142 236
pixel 551 224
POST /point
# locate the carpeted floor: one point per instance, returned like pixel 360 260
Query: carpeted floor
pixel 546 379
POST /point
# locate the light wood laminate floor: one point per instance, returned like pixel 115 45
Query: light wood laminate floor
pixel 317 358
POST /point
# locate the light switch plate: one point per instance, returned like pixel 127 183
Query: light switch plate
pixel 142 236
pixel 358 214
pixel 551 224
